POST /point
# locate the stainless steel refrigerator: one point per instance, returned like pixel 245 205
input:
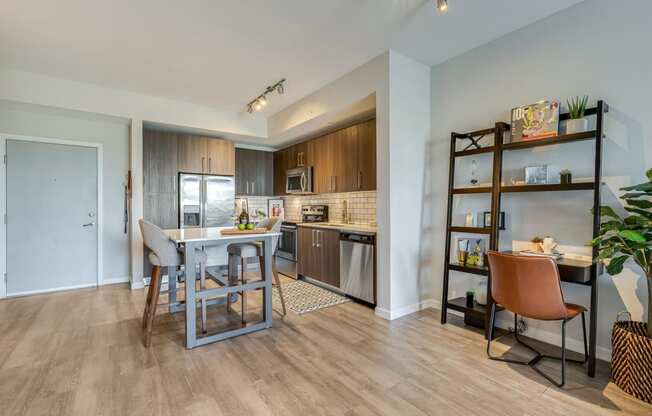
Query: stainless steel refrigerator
pixel 206 201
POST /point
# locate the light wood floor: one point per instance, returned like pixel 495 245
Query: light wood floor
pixel 80 353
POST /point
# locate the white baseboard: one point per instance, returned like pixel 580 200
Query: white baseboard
pixel 405 310
pixel 136 284
pixel 44 291
pixel 115 280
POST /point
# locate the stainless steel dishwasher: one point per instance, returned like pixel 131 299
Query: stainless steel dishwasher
pixel 357 264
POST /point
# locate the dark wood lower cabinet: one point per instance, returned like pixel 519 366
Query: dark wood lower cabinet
pixel 319 254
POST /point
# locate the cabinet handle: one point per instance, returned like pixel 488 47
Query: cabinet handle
pixel 210 159
pixel 247 188
pixel 318 238
pixel 202 164
pixel 253 187
pixel 359 179
pixel 313 238
pixel 174 183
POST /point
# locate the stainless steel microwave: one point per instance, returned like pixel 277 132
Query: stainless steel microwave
pixel 299 180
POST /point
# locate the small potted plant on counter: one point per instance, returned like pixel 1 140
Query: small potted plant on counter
pixel 622 239
pixel 576 110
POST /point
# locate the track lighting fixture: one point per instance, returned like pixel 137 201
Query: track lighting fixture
pixel 442 5
pixel 259 102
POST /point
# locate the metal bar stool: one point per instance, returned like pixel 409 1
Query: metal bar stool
pixel 240 253
pixel 164 254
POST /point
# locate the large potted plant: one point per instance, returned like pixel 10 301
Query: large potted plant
pixel 621 239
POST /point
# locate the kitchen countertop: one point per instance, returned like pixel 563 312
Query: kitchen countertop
pixel 356 228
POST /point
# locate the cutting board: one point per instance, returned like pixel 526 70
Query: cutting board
pixel 235 231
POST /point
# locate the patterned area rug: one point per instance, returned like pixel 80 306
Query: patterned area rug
pixel 301 297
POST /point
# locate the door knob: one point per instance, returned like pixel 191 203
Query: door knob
pixel 90 224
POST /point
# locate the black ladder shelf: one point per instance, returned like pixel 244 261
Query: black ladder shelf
pixel 497 189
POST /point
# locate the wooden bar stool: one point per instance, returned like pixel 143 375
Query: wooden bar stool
pixel 240 253
pixel 530 286
pixel 164 254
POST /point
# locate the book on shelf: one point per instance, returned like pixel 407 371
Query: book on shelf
pixel 535 121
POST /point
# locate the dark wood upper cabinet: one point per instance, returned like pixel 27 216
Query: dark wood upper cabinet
pixel 342 161
pixel 280 169
pixel 205 155
pixel 220 157
pixel 159 161
pixel 366 156
pixel 192 154
pixel 254 172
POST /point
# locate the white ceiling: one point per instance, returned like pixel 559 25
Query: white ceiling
pixel 222 53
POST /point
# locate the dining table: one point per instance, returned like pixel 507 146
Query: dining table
pixel 189 239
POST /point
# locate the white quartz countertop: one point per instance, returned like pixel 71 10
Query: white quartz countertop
pixel 355 228
pixel 213 234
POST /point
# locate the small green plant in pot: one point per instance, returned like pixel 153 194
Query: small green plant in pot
pixel 626 238
pixel 576 110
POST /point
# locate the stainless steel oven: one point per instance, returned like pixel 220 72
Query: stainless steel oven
pixel 299 180
pixel 287 244
pixel 286 253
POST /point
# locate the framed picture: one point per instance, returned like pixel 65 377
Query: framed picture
pixel 535 121
pixel 275 208
pixel 487 220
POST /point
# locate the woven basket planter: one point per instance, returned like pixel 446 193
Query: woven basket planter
pixel 631 361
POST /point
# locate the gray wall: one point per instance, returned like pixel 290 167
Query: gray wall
pixel 113 133
pixel 598 47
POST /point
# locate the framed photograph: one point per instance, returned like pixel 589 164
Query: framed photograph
pixel 535 121
pixel 487 220
pixel 275 208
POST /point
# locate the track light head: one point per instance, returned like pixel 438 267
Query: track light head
pixel 262 101
pixel 442 5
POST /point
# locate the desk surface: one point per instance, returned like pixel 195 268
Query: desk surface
pixel 571 270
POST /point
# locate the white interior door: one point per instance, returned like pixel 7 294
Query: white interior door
pixel 52 227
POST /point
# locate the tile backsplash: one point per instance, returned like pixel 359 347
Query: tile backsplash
pixel 362 206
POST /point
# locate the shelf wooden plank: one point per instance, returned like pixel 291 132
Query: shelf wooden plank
pixel 462 153
pixel 580 186
pixel 564 138
pixel 476 190
pixel 479 270
pixel 459 304
pixel 472 230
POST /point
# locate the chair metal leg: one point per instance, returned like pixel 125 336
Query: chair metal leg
pixel 586 347
pixel 202 286
pixel 243 296
pixel 539 356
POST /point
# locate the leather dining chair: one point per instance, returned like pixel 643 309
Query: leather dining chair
pixel 530 286
pixel 164 253
pixel 241 252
